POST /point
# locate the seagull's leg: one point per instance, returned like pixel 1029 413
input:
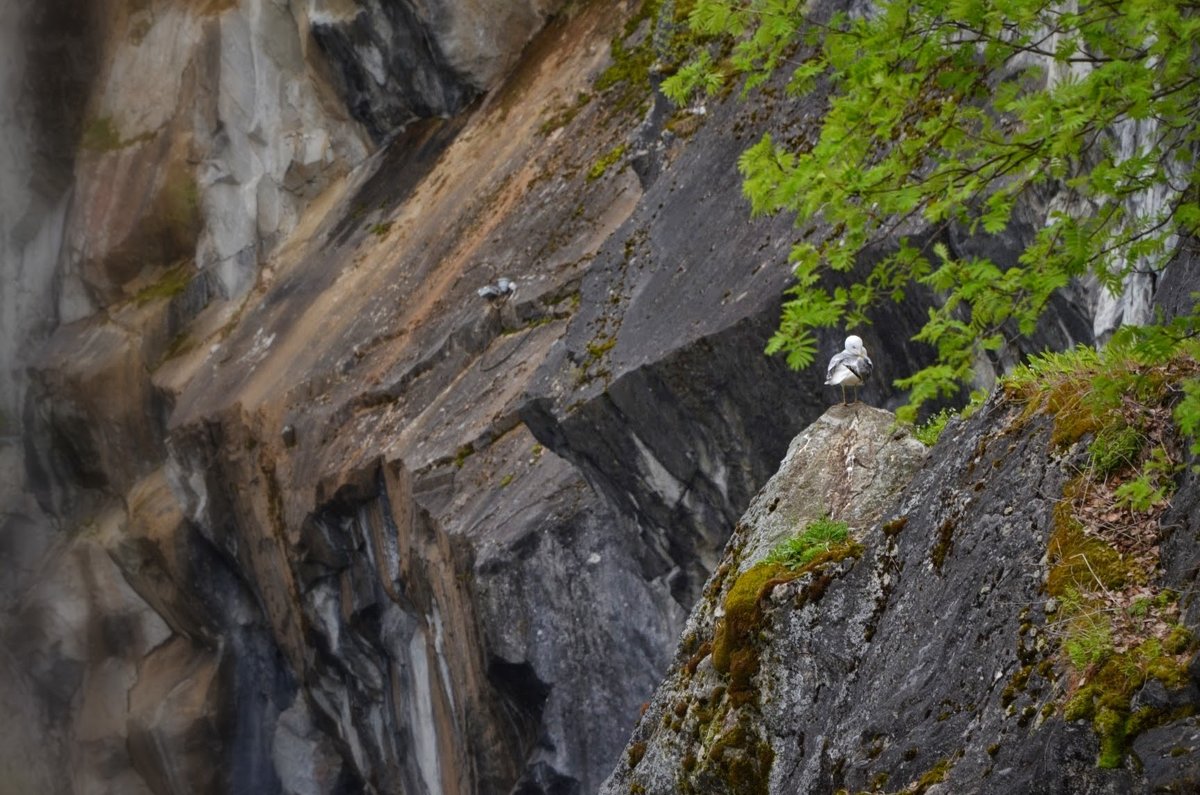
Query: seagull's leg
pixel 843 386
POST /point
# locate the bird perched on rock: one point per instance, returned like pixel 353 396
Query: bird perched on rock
pixel 503 288
pixel 851 367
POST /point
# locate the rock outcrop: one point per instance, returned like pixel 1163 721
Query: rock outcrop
pixel 925 658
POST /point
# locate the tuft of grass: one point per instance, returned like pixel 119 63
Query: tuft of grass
pixel 1115 448
pixel 801 549
pixel 1089 640
pixel 930 431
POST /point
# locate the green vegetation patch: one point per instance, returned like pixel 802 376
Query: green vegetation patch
pixel 657 37
pixel 820 536
pixel 735 651
pixel 930 431
pixel 922 125
pixel 602 165
pixel 1116 626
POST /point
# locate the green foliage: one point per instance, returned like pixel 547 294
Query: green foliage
pixel 1187 413
pixel 947 113
pixel 1089 641
pixel 664 43
pixel 1115 448
pixel 1116 394
pixel 818 537
pixel 928 432
pixel 1153 485
pixel 1113 619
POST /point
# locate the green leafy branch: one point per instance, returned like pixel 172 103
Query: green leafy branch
pixel 951 112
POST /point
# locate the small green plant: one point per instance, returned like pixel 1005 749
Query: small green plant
pixel 1153 485
pixel 820 536
pixel 1088 641
pixel 462 454
pixel 598 347
pixel 1115 448
pixel 380 229
pixel 929 431
pixel 1139 608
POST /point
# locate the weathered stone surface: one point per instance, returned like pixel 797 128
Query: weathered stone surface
pixel 848 465
pixel 73 644
pixel 175 739
pixel 304 756
pixel 1170 756
pixel 919 662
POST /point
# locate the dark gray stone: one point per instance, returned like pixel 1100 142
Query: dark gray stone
pixel 1170 757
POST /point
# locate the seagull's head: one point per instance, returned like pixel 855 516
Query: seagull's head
pixel 854 344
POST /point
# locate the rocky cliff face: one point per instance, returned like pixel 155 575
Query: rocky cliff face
pixel 926 658
pixel 289 507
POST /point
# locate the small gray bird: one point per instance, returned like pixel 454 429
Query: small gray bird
pixel 851 367
pixel 503 288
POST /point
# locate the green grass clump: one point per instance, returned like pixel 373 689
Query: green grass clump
pixel 1089 641
pixel 929 431
pixel 818 537
pixel 1115 448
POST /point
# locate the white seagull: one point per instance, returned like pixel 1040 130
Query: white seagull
pixel 851 367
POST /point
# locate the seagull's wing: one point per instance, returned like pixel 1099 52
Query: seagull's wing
pixel 861 366
pixel 839 359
